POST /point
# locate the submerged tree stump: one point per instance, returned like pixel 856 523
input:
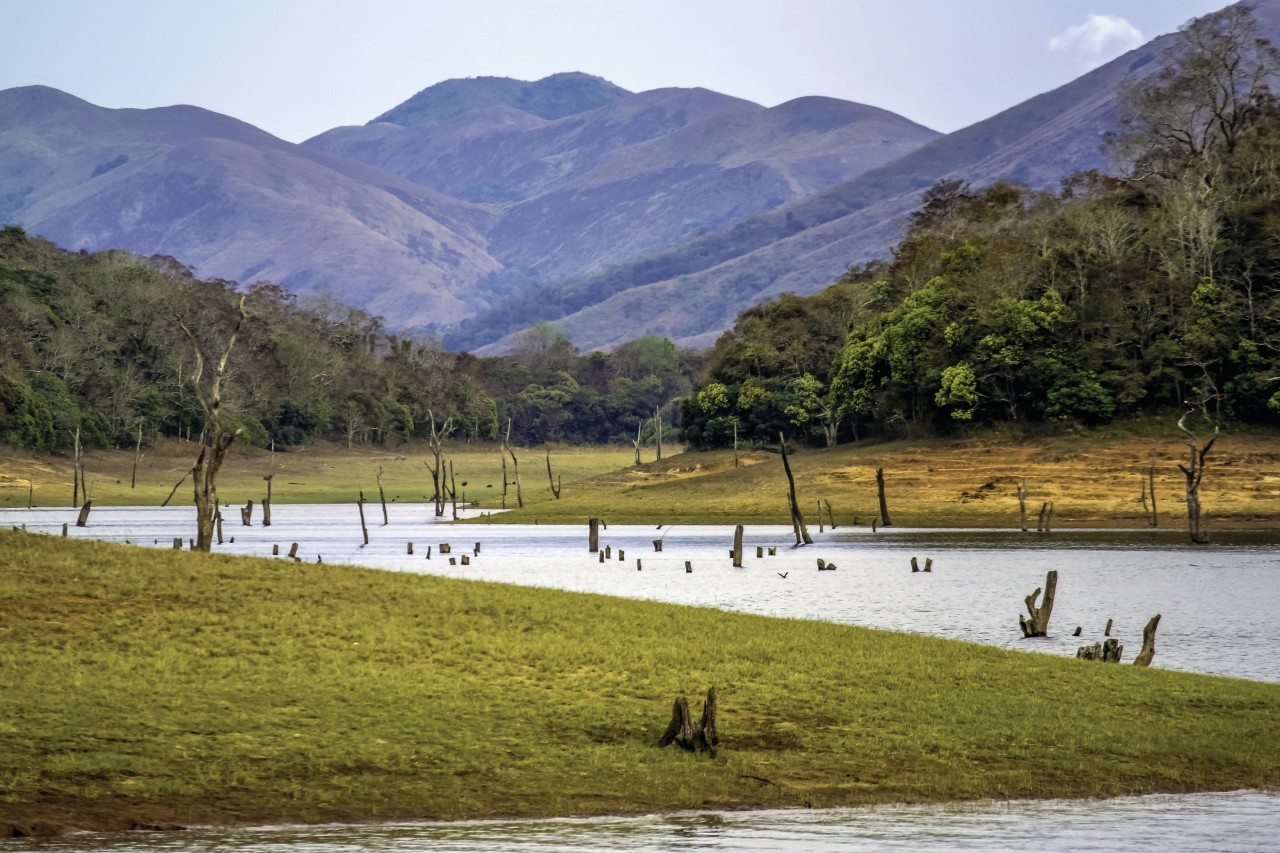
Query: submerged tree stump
pixel 1038 624
pixel 693 737
pixel 1108 652
pixel 1148 643
pixel 82 519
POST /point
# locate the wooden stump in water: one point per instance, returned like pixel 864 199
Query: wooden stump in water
pixel 246 515
pixel 293 550
pixel 83 518
pixel 1038 624
pixel 1108 652
pixel 737 547
pixel 1148 643
pixel 693 737
pixel 657 544
pixel 593 535
pixel 915 567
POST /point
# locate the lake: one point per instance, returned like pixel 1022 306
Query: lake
pixel 1220 607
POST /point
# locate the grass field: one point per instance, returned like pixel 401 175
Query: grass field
pixel 1092 480
pixel 154 688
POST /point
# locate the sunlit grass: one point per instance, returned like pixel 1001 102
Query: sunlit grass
pixel 169 685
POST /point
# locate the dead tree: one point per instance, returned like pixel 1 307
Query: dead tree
pixel 736 553
pixel 77 471
pixel 1148 643
pixel 435 440
pixel 555 481
pixel 1194 471
pixel 884 506
pixel 382 496
pixel 1022 503
pixel 215 438
pixel 685 733
pixel 515 466
pixel 137 457
pixel 1038 624
pixel 1151 479
pixel 363 529
pixel 593 535
pixel 797 517
pixel 657 430
pixel 639 430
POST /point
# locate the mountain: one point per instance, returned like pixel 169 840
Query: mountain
pixel 598 188
pixel 237 203
pixel 693 291
pixel 550 98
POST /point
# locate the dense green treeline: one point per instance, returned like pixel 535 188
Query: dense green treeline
pixel 1109 298
pixel 94 342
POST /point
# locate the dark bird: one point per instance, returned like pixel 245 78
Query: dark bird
pixel 783 575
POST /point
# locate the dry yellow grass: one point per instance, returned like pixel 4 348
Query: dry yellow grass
pixel 1092 480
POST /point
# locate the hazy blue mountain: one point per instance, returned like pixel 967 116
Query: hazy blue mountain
pixel 692 291
pixel 551 97
pixel 235 202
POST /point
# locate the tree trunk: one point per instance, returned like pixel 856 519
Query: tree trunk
pixel 214 440
pixel 1148 643
pixel 382 496
pixel 137 456
pixel 1022 503
pixel 797 517
pixel 83 518
pixel 1194 471
pixel 593 535
pixel 363 529
pixel 737 547
pixel 884 506
pixel 1038 624
pixel 685 733
pixel 555 481
pixel 657 430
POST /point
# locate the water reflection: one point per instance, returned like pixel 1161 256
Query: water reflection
pixel 1245 821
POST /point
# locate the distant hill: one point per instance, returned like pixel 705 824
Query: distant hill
pixel 237 203
pixel 551 97
pixel 692 291
pixel 596 189
pixel 481 206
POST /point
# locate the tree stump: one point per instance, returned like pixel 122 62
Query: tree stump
pixel 1148 643
pixel 1038 624
pixel 593 535
pixel 246 515
pixel 693 737
pixel 82 519
pixel 737 547
pixel 1108 652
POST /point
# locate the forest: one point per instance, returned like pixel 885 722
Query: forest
pixel 96 344
pixel 1151 291
pixel 1110 297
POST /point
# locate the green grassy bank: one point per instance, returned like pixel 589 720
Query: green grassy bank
pixel 157 687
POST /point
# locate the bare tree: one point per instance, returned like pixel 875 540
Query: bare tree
pixel 215 439
pixel 1194 471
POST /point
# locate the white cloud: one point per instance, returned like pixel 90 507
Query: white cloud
pixel 1099 38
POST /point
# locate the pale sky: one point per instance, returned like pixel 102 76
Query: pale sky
pixel 298 67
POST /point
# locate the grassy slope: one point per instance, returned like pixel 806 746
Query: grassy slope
pixel 1092 480
pixel 159 687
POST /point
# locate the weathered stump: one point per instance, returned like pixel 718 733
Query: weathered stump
pixel 915 567
pixel 657 544
pixel 1148 643
pixel 737 547
pixel 293 550
pixel 83 518
pixel 266 513
pixel 593 535
pixel 246 515
pixel 1107 652
pixel 1038 624
pixel 688 735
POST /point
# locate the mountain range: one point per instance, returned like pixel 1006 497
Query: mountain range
pixel 480 206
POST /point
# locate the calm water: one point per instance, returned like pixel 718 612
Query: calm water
pixel 1219 604
pixel 1220 609
pixel 1243 822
